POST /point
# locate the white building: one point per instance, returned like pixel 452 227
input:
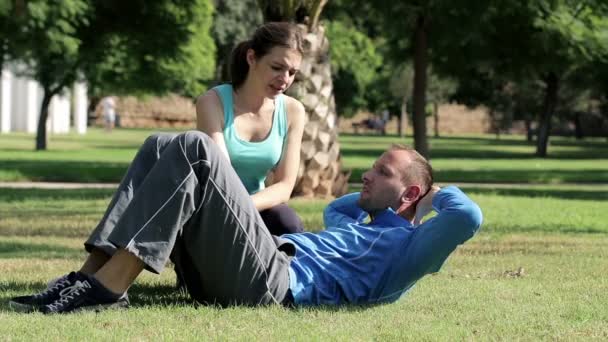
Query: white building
pixel 20 100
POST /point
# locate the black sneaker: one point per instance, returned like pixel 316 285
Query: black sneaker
pixel 48 296
pixel 86 295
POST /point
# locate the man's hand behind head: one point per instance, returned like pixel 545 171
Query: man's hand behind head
pixel 425 205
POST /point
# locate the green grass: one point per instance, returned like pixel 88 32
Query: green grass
pixel 483 159
pixel 101 157
pixel 556 234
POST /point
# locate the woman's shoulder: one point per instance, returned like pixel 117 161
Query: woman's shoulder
pixel 209 99
pixel 295 108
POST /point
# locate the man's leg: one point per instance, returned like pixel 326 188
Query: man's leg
pixel 98 245
pixel 147 156
pixel 236 258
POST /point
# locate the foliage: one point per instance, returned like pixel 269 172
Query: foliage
pixel 170 48
pixel 233 21
pixel 167 48
pixel 555 40
pixel 355 63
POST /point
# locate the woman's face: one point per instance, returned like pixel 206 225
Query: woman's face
pixel 275 71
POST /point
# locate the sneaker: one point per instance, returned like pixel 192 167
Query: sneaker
pixel 48 296
pixel 86 295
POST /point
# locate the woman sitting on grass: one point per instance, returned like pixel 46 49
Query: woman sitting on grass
pixel 256 126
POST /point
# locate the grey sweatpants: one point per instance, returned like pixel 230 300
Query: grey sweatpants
pixel 182 199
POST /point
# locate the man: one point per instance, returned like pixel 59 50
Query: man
pixel 181 199
pixel 108 108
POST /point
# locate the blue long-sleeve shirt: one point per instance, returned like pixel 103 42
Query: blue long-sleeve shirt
pixel 359 263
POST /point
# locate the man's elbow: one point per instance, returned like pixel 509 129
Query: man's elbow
pixel 472 219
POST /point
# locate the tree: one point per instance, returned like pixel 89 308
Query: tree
pixel 169 48
pixel 355 66
pixel 554 38
pixel 439 90
pixel 320 169
pixel 165 48
pixel 233 22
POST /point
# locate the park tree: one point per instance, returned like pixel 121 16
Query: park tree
pixel 170 47
pixel 320 169
pixel 233 21
pixel 118 46
pixel 439 90
pixel 411 30
pixel 536 42
pixel 355 68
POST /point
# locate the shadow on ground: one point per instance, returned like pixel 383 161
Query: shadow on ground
pixel 592 195
pixel 65 170
pixel 139 294
pixel 10 195
pixel 38 251
pixel 546 176
pixel 480 148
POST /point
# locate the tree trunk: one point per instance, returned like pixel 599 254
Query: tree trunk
pixel 436 119
pixel 529 132
pixel 320 171
pixel 41 136
pixel 420 78
pixel 544 122
pixel 578 126
pixel 403 119
pixel 320 166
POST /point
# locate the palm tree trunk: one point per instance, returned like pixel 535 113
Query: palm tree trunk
pixel 320 172
pixel 320 167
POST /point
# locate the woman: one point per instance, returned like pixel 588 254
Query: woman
pixel 258 128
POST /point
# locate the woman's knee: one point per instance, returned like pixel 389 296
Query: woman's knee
pixel 157 141
pixel 281 219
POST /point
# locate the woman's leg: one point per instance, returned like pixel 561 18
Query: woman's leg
pixel 281 219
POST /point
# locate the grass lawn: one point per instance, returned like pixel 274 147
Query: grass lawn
pixel 99 157
pixel 536 271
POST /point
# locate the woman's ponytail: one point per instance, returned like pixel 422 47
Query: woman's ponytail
pixel 238 64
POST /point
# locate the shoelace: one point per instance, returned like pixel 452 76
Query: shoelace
pixel 58 284
pixel 68 294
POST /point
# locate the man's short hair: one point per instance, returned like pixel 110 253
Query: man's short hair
pixel 419 170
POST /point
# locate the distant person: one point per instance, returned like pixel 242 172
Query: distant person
pixel 108 110
pixel 180 199
pixel 256 126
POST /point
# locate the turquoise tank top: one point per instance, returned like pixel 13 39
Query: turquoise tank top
pixel 253 160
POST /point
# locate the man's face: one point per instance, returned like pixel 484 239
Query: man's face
pixel 383 185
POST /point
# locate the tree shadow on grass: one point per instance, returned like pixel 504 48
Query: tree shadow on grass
pixel 39 251
pixel 592 195
pixel 66 170
pixel 154 295
pixel 547 176
pixel 480 148
pixel 25 194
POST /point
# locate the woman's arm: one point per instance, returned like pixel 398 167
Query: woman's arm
pixel 287 171
pixel 210 118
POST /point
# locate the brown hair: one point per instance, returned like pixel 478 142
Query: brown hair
pixel 266 37
pixel 419 171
